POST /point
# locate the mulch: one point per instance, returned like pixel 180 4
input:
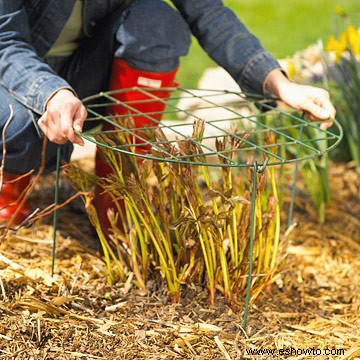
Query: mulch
pixel 311 311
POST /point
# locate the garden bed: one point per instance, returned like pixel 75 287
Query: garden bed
pixel 313 304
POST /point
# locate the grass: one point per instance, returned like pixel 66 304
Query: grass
pixel 283 29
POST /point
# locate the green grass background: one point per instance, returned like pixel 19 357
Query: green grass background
pixel 283 26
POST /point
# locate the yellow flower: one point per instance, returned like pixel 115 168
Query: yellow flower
pixel 348 40
pixel 340 11
pixel 333 44
pixel 336 46
pixel 353 39
pixel 291 68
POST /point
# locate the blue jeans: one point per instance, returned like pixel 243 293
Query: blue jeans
pixel 148 34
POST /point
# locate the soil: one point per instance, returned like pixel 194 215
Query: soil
pixel 311 311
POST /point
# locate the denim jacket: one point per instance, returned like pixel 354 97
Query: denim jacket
pixel 27 31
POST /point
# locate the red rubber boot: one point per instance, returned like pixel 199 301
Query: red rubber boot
pixel 11 191
pixel 126 77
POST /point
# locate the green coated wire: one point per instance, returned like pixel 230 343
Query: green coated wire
pixel 56 201
pixel 208 98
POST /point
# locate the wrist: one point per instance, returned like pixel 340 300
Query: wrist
pixel 276 83
pixel 55 93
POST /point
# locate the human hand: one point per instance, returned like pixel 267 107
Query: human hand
pixel 64 114
pixel 313 100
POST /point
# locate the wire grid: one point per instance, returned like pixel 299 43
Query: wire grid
pixel 229 115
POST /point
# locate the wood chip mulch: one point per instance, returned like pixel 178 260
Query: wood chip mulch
pixel 311 311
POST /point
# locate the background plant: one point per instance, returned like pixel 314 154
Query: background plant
pixel 314 170
pixel 342 61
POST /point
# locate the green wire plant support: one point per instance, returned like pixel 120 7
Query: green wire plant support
pixel 240 118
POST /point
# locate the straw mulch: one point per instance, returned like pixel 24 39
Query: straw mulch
pixel 313 305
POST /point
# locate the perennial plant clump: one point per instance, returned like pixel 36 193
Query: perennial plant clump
pixel 186 224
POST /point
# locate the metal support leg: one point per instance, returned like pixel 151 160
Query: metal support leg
pixel 257 170
pixel 56 201
pixel 252 229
